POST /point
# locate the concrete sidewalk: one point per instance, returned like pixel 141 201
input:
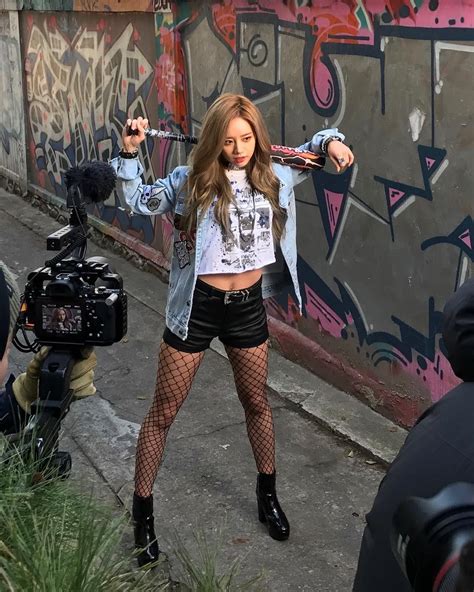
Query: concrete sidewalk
pixel 327 442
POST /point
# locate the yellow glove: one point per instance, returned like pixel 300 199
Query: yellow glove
pixel 82 375
pixel 25 386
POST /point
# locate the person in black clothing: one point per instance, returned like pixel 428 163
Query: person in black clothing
pixel 438 451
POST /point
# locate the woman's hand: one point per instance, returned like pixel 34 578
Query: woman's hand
pixel 340 154
pixel 131 143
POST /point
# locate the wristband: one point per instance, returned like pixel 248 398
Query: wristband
pixel 125 154
pixel 326 141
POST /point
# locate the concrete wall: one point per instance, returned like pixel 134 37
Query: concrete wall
pixel 12 117
pixel 382 246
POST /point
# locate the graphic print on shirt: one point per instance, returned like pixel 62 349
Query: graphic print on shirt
pixel 249 243
pixel 264 235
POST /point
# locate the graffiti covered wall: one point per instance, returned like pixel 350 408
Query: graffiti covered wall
pixel 382 246
pixel 84 75
pixel 12 117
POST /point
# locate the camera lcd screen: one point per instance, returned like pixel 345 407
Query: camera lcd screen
pixel 62 320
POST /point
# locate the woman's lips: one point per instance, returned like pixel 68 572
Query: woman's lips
pixel 240 160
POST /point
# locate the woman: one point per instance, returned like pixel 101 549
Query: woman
pixel 231 206
pixel 60 321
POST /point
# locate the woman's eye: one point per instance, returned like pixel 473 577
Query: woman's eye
pixel 227 142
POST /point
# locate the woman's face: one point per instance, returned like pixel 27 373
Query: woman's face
pixel 62 315
pixel 239 143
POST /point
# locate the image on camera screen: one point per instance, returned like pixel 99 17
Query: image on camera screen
pixel 61 319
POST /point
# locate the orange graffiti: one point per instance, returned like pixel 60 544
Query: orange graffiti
pixel 224 17
pixel 170 76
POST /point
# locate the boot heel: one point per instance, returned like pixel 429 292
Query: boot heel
pixel 146 544
pixel 270 512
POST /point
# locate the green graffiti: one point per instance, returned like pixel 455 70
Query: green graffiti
pixel 361 16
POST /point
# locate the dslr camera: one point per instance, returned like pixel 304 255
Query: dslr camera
pixel 71 304
pixel 77 301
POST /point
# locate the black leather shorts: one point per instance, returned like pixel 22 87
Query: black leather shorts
pixel 236 317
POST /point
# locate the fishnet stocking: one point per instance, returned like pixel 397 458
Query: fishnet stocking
pixel 250 367
pixel 176 371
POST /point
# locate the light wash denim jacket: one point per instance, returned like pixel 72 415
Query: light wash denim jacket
pixel 169 194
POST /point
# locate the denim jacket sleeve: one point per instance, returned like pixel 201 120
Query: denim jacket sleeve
pixel 316 141
pixel 156 199
pixel 314 145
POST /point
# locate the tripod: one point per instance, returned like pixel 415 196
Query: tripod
pixel 92 292
pixel 38 442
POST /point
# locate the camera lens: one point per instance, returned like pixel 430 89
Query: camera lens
pixel 431 535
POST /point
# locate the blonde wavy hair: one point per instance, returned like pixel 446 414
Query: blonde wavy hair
pixel 207 177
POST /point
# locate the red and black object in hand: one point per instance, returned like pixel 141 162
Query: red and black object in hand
pixel 298 159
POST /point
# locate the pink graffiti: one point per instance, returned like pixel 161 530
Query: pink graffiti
pixel 165 80
pixel 164 147
pixel 170 77
pixel 334 203
pixel 439 15
pixel 290 316
pixel 343 22
pixel 438 376
pixel 465 237
pixel 317 309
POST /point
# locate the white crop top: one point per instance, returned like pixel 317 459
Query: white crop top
pixel 249 244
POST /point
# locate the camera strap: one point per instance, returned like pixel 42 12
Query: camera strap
pixel 4 314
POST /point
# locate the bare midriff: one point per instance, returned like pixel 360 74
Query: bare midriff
pixel 232 281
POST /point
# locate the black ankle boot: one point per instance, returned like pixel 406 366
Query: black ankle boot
pixel 144 530
pixel 269 510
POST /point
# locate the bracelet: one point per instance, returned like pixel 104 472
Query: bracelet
pixel 325 143
pixel 125 154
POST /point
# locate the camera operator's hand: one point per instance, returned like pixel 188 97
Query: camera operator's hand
pixel 25 386
pixel 132 142
pixel 82 376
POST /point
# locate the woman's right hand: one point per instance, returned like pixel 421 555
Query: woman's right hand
pixel 131 143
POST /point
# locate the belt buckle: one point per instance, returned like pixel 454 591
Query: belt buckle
pixel 228 296
pixel 231 296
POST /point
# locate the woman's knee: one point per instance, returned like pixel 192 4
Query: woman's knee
pixel 255 403
pixel 161 418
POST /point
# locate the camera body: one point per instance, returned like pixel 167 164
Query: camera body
pixel 76 302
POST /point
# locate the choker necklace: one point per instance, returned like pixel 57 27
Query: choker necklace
pixel 234 167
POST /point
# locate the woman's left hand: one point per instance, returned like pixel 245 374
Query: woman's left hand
pixel 340 154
